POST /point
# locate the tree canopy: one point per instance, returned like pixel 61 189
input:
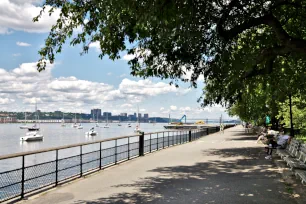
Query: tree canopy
pixel 238 45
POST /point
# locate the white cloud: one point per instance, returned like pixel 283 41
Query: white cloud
pixel 185 109
pixel 122 75
pixel 72 84
pixel 23 44
pixel 18 15
pixel 95 45
pixel 162 108
pixel 128 57
pixel 126 105
pixel 147 88
pixel 16 54
pixel 109 74
pixel 173 108
pixel 4 101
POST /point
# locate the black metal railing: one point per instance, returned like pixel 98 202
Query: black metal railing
pixel 50 167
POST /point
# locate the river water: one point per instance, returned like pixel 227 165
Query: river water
pixel 55 135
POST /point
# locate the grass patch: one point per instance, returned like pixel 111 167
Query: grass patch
pixel 289 188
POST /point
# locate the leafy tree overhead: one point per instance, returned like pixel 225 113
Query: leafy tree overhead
pixel 234 44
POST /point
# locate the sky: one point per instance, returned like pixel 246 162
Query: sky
pixel 77 83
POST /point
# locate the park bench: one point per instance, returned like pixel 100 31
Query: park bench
pixel 297 161
pixel 295 157
pixel 301 173
pixel 290 149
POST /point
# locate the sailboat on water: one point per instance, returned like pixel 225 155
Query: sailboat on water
pixel 80 126
pixel 75 124
pixel 119 124
pixel 97 122
pixel 33 133
pixel 137 128
pixel 106 125
pixel 63 121
pixel 24 126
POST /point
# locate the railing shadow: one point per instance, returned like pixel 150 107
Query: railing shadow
pixel 231 179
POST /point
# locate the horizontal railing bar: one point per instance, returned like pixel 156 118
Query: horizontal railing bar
pixel 10 184
pixel 91 161
pixel 68 157
pixel 90 152
pixel 30 179
pixel 8 156
pixel 5 172
pixel 69 167
pixel 34 165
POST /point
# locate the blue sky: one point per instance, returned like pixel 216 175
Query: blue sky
pixel 78 83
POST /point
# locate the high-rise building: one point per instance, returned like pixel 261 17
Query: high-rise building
pixel 96 113
pixel 146 116
pixel 107 114
pixel 123 114
pixel 135 115
pixel 139 115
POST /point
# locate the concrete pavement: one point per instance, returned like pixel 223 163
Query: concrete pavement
pixel 218 168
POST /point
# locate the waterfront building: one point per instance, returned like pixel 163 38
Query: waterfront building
pixel 96 112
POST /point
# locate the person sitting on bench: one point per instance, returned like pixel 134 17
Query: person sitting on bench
pixel 262 134
pixel 281 142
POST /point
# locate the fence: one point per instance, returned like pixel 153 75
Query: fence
pixel 61 164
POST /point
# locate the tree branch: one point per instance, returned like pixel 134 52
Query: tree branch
pixel 268 56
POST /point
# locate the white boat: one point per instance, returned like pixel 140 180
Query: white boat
pixel 63 121
pixel 137 128
pixel 129 125
pixel 32 136
pixel 24 126
pixel 119 124
pixel 75 125
pixel 97 123
pixel 33 133
pixel 106 125
pixel 80 126
pixel 91 132
pixel 33 128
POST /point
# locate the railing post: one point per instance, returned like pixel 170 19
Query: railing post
pixel 190 136
pixel 150 144
pixel 168 139
pixel 157 148
pixel 100 161
pixel 128 148
pixel 207 131
pixel 22 178
pixel 115 151
pixel 216 128
pixel 141 144
pixel 181 137
pixel 163 140
pixel 56 167
pixel 81 162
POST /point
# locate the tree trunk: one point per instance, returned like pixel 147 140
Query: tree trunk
pixel 291 119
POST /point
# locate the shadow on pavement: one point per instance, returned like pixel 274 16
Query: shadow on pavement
pixel 229 179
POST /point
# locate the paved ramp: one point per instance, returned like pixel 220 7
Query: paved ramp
pixel 219 168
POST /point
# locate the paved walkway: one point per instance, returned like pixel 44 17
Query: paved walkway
pixel 219 168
